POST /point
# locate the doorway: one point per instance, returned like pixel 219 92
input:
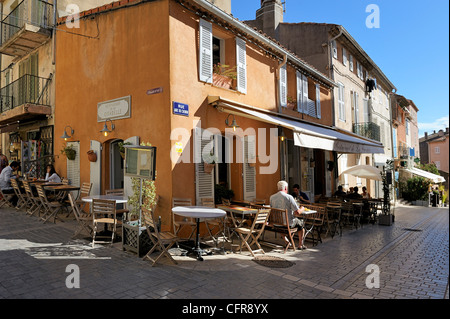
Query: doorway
pixel 116 180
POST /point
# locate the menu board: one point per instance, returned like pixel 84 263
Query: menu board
pixel 140 161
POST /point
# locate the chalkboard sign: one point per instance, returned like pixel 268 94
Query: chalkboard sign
pixel 140 161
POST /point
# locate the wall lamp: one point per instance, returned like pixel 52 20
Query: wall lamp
pixel 281 134
pixel 105 130
pixel 66 136
pixel 233 123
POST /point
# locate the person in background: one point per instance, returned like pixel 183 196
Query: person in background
pixel 6 175
pixel 3 162
pixel 283 200
pixel 51 175
pixel 355 194
pixel 365 194
pixel 340 192
pixel 298 194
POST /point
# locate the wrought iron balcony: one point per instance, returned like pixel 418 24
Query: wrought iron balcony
pixel 367 129
pixel 26 97
pixel 26 27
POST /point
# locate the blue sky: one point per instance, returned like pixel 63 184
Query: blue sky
pixel 411 46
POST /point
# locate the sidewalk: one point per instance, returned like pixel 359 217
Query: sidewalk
pixel 412 257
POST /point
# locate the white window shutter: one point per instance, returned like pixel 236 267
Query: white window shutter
pixel 204 182
pixel 334 48
pixel 206 52
pixel 241 56
pixel 73 166
pixel 341 97
pixel 351 63
pixel 318 108
pixel 249 172
pixel 344 56
pixel 305 93
pixel 283 86
pixel 299 93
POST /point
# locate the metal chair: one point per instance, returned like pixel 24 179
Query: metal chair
pixel 84 220
pixel 162 240
pixel 253 233
pixel 51 208
pixel 103 213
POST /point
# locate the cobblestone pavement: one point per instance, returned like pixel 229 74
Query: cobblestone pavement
pixel 412 257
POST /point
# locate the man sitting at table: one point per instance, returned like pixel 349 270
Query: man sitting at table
pixel 298 194
pixel 5 180
pixel 283 200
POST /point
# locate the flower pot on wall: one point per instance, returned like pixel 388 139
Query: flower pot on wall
pixel 222 81
pixel 92 156
pixel 207 167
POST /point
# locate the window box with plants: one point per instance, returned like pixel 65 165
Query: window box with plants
pixel 223 75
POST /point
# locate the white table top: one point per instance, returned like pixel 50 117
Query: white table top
pixel 198 212
pixel 118 199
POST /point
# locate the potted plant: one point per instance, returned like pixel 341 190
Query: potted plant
pixel 223 75
pixel 222 191
pixel 209 162
pixel 122 148
pixel 291 103
pixel 69 151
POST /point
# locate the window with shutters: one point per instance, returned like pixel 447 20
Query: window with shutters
pixel 334 49
pixel 217 64
pixel 344 56
pixel 350 62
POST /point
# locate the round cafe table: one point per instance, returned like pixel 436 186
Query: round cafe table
pixel 199 213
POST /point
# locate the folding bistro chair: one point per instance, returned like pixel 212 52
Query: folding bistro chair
pixel 121 210
pixel 314 225
pixel 51 208
pixel 5 199
pixel 214 226
pixel 35 203
pixel 85 190
pixel 22 200
pixel 180 222
pixel 279 223
pixel 162 241
pixel 84 220
pixel 253 233
pixel 103 213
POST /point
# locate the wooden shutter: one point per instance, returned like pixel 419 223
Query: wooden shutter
pixel 283 86
pixel 241 57
pixel 95 168
pixel 249 172
pixel 318 108
pixel 206 52
pixel 73 166
pixel 305 93
pixel 204 182
pixel 299 92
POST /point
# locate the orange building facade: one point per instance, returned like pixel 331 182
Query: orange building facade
pixel 148 69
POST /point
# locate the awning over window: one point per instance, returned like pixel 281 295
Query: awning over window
pixel 307 135
pixel 435 178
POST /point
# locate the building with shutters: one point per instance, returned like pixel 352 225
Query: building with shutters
pixel 150 68
pixel 361 98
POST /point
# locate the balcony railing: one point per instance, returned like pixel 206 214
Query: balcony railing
pixel 29 89
pixel 367 129
pixel 37 13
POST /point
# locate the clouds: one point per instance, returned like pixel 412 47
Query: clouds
pixel 436 125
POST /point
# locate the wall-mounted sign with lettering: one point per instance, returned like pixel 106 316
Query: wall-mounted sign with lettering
pixel 180 109
pixel 114 110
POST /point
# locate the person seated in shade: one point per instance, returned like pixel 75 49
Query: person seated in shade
pixel 340 192
pixel 355 194
pixel 51 175
pixel 298 194
pixel 6 175
pixel 283 200
pixel 365 194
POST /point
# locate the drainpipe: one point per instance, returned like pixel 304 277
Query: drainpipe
pixel 277 75
pixel 55 5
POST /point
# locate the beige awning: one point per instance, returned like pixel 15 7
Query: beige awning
pixel 305 135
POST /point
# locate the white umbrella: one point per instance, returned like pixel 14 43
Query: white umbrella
pixel 364 171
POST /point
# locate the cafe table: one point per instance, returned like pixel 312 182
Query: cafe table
pixel 306 214
pixel 199 213
pixel 234 210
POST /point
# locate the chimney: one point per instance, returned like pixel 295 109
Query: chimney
pixel 270 16
pixel 426 135
pixel 224 5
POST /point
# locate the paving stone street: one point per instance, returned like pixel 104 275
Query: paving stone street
pixel 412 257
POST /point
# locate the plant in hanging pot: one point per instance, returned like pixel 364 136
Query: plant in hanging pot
pixel 209 162
pixel 223 75
pixel 69 151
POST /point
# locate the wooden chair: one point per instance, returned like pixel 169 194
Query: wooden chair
pixel 85 190
pixel 225 201
pixel 333 218
pixel 162 240
pixel 22 200
pixel 51 208
pixel 121 210
pixel 253 233
pixel 180 222
pixel 35 203
pixel 258 201
pixel 103 213
pixel 214 226
pixel 84 220
pixel 314 224
pixel 279 223
pixel 5 199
